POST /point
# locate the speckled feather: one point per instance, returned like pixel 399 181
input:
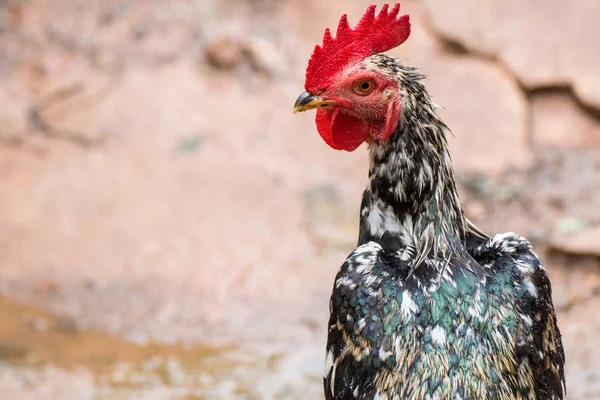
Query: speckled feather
pixel 427 306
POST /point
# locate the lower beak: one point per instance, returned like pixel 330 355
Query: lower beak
pixel 307 101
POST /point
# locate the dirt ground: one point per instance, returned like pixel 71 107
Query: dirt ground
pixel 169 230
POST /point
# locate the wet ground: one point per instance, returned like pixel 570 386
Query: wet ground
pixel 169 230
pixel 37 345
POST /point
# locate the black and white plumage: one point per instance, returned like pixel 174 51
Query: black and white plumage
pixel 427 306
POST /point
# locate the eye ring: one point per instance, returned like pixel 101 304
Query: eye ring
pixel 363 87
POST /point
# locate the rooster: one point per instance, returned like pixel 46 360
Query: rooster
pixel 427 306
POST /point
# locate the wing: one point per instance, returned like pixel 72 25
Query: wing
pixel 355 350
pixel 538 341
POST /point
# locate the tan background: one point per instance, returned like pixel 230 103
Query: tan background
pixel 169 230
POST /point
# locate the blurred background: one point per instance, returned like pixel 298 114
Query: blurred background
pixel 169 230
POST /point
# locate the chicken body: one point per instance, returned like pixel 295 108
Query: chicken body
pixel 427 306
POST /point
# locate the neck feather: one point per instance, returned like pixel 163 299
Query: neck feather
pixel 411 204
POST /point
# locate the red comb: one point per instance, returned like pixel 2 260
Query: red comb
pixel 373 34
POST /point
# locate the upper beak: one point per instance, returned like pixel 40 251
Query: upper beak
pixel 307 101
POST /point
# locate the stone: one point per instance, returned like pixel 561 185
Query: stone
pixel 264 56
pixel 543 42
pixel 557 120
pixel 224 52
pixel 228 52
pixel 14 102
pixel 579 328
pixel 331 223
pixel 570 225
pixel 475 210
pixel 585 243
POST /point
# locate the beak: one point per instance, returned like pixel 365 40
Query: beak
pixel 308 101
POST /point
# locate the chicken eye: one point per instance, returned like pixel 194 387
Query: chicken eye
pixel 363 86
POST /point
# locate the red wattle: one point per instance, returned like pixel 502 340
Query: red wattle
pixel 341 131
pixel 391 120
